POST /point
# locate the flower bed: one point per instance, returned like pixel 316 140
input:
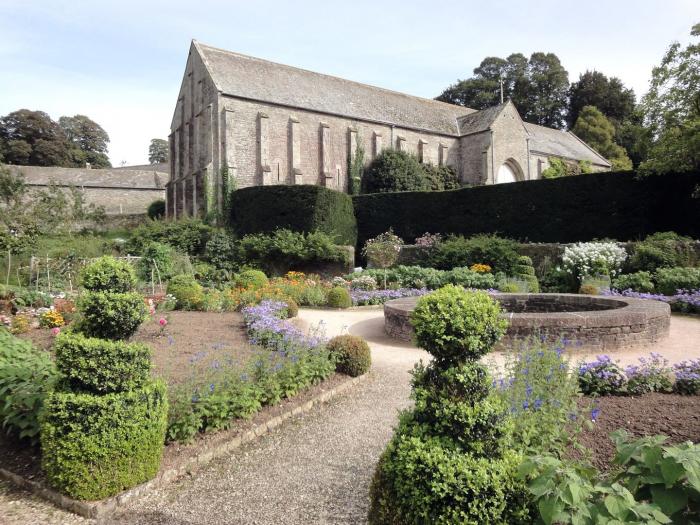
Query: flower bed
pixel 686 301
pixel 375 297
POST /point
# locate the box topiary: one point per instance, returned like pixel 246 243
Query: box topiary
pixel 339 297
pixel 111 315
pixel 251 279
pixel 95 446
pixel 449 460
pixel 108 274
pixel 351 353
pixel 98 366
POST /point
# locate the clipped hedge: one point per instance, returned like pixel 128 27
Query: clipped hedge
pixel 303 208
pixel 568 209
pixel 111 315
pixel 100 366
pixel 96 446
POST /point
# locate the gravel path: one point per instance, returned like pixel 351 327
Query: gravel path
pixel 314 469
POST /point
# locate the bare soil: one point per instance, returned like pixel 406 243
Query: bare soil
pixel 675 416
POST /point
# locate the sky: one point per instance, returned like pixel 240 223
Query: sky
pixel 121 62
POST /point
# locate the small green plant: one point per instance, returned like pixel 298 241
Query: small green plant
pixel 639 282
pixel 188 293
pixel 108 274
pixel 339 297
pixel 351 353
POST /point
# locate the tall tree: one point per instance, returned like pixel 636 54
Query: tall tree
pixel 672 110
pixel 538 87
pixel 609 95
pixel 598 132
pixel 88 139
pixel 32 137
pixel 158 151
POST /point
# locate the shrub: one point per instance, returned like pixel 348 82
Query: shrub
pixel 188 236
pixel 156 263
pixel 111 315
pixel 511 286
pixel 220 251
pixel 593 258
pixel 108 274
pixel 20 324
pixel 524 271
pixel 26 377
pixel 292 308
pixel 363 282
pixel 470 279
pixel 601 377
pixel 51 319
pixel 454 324
pixel 670 280
pixel 299 208
pixel 394 170
pixel 557 280
pixel 439 178
pixel 351 353
pixel 99 366
pixel 500 254
pixel 588 289
pixel 638 282
pixel 156 210
pixel 651 375
pixel 687 377
pixel 188 293
pixel 251 279
pixel 339 297
pixel 96 446
pixel 661 250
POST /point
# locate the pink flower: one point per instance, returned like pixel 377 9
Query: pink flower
pixel 163 321
pixel 55 331
pixel 152 310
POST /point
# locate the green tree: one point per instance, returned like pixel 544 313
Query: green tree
pixel 672 110
pixel 538 87
pixel 88 140
pixel 158 151
pixel 598 132
pixel 609 95
pixel 33 138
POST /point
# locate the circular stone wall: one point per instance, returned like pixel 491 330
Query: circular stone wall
pixel 591 322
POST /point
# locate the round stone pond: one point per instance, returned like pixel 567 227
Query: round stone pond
pixel 599 323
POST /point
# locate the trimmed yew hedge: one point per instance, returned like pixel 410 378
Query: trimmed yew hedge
pixel 570 209
pixel 303 208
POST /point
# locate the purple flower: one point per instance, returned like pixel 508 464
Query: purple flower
pixel 594 414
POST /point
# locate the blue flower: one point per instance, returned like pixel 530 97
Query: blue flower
pixel 594 414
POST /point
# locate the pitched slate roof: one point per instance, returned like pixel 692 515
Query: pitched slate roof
pixel 121 178
pixel 562 144
pixel 256 79
pixel 479 120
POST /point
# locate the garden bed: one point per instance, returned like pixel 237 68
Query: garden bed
pixel 675 416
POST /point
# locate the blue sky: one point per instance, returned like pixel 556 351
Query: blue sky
pixel 121 62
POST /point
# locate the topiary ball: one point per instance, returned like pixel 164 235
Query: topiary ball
pixel 525 260
pixel 251 279
pixel 339 297
pixel 456 325
pixel 108 274
pixel 352 354
pixel 111 315
pixel 188 293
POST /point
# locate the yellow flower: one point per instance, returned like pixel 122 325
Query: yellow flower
pixel 480 268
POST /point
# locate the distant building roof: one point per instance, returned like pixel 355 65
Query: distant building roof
pixel 256 79
pixel 479 120
pixel 561 143
pixel 163 167
pixel 144 179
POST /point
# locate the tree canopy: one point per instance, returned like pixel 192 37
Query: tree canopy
pixel 598 132
pixel 158 151
pixel 538 87
pixel 32 138
pixel 609 95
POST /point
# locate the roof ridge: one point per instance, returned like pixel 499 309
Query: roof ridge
pixel 287 66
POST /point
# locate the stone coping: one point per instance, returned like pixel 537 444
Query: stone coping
pixel 602 322
pixel 103 508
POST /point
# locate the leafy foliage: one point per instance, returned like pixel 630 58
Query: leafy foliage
pixel 107 274
pixel 609 95
pixel 339 297
pixel 110 315
pixel 188 236
pixel 351 353
pixel 157 262
pixel 598 132
pixel 156 210
pixel 158 151
pixel 670 280
pixel 456 251
pixel 637 281
pixel 188 293
pixel 27 375
pixel 662 250
pixel 394 170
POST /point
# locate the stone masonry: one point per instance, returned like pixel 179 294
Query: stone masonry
pixel 241 121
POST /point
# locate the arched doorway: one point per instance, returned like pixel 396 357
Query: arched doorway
pixel 509 172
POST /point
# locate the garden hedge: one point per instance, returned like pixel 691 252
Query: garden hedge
pixel 303 208
pixel 569 209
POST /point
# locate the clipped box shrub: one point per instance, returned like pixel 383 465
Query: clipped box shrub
pixel 301 208
pixel 188 293
pixel 670 280
pixel 108 274
pixel 111 315
pixel 94 447
pixel 339 297
pixel 100 366
pixel 251 279
pixel 351 353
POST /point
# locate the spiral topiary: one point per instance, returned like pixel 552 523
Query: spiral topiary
pixel 449 461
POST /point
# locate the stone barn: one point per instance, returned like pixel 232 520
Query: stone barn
pixel 242 121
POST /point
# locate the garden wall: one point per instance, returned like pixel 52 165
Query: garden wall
pixel 571 209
